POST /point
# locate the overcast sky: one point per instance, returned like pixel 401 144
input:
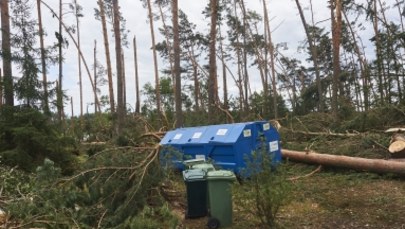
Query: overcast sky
pixel 285 24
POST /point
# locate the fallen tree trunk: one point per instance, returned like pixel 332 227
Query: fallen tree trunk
pixel 356 163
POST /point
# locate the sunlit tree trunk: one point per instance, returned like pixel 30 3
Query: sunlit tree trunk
pixel 138 100
pixel 107 55
pixel 45 103
pixel 118 55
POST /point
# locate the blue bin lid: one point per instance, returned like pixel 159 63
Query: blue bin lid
pixel 194 175
pixel 221 175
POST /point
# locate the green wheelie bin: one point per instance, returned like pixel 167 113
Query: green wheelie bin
pixel 196 186
pixel 220 198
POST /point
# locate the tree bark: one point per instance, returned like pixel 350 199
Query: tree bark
pixel 45 103
pixel 336 16
pixel 137 102
pixel 77 47
pixel 356 163
pixel 176 70
pixel 107 55
pixel 79 60
pixel 59 103
pixel 118 55
pixel 95 75
pixel 272 65
pixel 314 56
pixel 212 80
pixel 155 62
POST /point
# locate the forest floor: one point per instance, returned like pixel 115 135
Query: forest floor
pixel 329 198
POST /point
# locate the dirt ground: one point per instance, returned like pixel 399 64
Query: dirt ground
pixel 330 198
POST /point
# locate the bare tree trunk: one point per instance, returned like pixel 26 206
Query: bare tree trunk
pixel 239 64
pixel 362 63
pixel 95 75
pixel 45 102
pixel 107 55
pixel 212 80
pixel 378 53
pixel 124 81
pixel 118 55
pixel 137 103
pixel 360 164
pixel 225 85
pixel 6 48
pixel 336 16
pixel 1 89
pixel 155 62
pixel 272 60
pixel 176 69
pixel 60 62
pixel 79 60
pixel 169 47
pixel 77 47
pixel 314 55
pixel 245 67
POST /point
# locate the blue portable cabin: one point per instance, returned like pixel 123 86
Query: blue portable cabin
pixel 227 144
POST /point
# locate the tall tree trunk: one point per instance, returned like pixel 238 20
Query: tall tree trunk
pixel 212 80
pixel 95 75
pixel 80 61
pixel 364 70
pixel 176 70
pixel 272 64
pixel 239 64
pixel 336 16
pixel 1 89
pixel 225 84
pixel 107 55
pixel 378 53
pixel 155 62
pixel 245 64
pixel 137 102
pixel 124 82
pixel 6 48
pixel 169 47
pixel 314 56
pixel 45 103
pixel 77 47
pixel 60 63
pixel 118 55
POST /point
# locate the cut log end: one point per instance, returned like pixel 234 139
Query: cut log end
pixel 397 146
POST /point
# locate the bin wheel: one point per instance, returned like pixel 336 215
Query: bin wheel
pixel 213 223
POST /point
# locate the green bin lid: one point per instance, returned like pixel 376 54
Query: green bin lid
pixel 221 175
pixel 204 166
pixel 194 175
